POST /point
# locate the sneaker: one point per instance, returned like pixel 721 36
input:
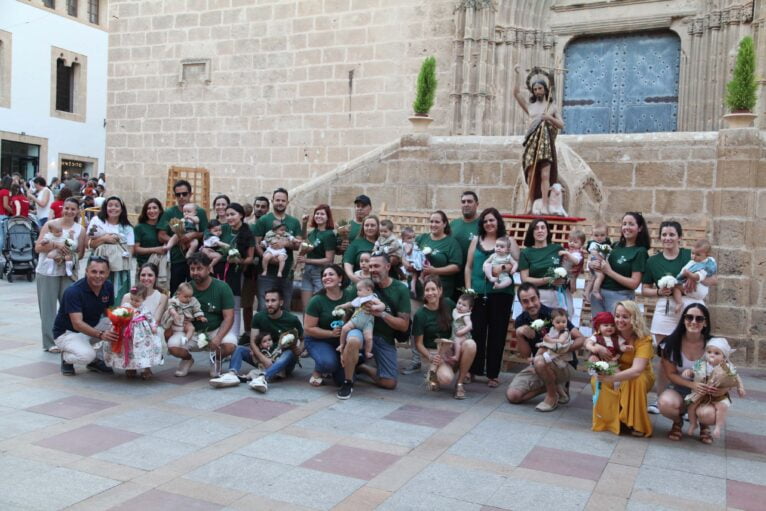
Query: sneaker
pixel 345 390
pixel 67 369
pixel 225 380
pixel 653 408
pixel 413 368
pixel 184 366
pixel 259 384
pixel 98 366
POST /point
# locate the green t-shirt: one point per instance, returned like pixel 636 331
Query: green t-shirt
pixel 625 260
pixel 176 254
pixel 657 266
pixel 354 228
pixel 214 300
pixel 538 260
pixel 146 236
pixel 426 323
pixel 322 241
pixel 479 282
pixel 321 307
pixel 464 232
pixel 445 251
pixel 355 250
pixel 397 299
pixel 275 326
pixel 265 224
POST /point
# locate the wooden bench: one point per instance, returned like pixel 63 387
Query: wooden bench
pixel 517 225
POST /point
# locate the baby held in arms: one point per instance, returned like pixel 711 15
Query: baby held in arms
pixel 361 319
pixel 605 344
pixel 501 256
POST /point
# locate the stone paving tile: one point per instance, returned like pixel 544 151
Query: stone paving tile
pixel 454 482
pixel 409 501
pixel 34 370
pixel 745 496
pixel 685 456
pixel 579 440
pixel 87 440
pixel 72 407
pixel 158 499
pixel 21 481
pixel 565 463
pixel 168 376
pixel 422 416
pixel 281 448
pixel 255 408
pixel 199 431
pixel 521 494
pixel 751 471
pixel 481 442
pixel 695 487
pixel 373 408
pixel 351 462
pixel 18 422
pixel 29 396
pixel 747 442
pixel 147 452
pixel 142 420
pixel 206 398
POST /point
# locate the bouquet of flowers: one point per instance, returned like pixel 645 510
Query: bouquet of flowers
pixel 234 254
pixel 306 247
pixel 604 249
pixel 342 227
pixel 600 368
pixel 120 318
pixel 427 251
pixel 538 325
pixel 202 340
pixel 69 243
pixel 555 273
pixel 288 339
pixel 468 291
pixel 667 282
pixel 340 314
pixel 177 226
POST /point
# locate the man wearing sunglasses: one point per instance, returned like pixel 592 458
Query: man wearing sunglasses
pixel 179 270
pixel 79 322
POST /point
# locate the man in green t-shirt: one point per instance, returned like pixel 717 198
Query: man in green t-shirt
pixel 464 229
pixel 179 269
pixel 362 209
pixel 260 208
pixel 391 316
pixel 273 321
pixel 279 202
pixel 217 303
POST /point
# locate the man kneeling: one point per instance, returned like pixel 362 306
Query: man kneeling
pixel 79 323
pixel 215 334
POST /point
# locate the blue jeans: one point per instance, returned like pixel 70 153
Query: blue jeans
pixel 326 358
pixel 609 300
pixel 266 282
pixel 286 362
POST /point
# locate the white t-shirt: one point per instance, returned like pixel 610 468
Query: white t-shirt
pixel 58 271
pixel 100 228
pixel 44 211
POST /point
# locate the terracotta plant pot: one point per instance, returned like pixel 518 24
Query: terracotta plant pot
pixel 739 120
pixel 420 123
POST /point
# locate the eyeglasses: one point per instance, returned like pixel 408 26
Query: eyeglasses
pixel 692 318
pixel 181 194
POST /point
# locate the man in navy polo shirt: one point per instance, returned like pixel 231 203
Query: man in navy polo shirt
pixel 77 322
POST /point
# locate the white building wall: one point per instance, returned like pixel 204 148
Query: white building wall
pixel 34 32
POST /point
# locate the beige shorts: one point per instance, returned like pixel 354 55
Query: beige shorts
pixel 527 380
pixel 177 340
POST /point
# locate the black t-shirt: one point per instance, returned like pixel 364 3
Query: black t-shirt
pixel 545 314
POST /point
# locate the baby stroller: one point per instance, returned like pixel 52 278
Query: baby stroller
pixel 19 248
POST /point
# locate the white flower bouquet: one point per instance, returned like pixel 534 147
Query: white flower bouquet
pixel 667 282
pixel 537 325
pixel 339 314
pixel 427 251
pixel 342 227
pixel 202 340
pixel 306 247
pixel 598 368
pixel 556 273
pixel 604 249
pixel 68 243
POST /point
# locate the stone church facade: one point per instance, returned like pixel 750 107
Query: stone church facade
pixel 314 95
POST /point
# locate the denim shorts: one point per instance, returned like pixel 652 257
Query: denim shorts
pixel 384 354
pixel 312 278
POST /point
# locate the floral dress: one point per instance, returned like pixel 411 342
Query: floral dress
pixel 145 348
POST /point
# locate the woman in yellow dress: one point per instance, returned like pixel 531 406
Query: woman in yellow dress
pixel 622 399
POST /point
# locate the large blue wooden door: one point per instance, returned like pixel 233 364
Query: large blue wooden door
pixel 622 84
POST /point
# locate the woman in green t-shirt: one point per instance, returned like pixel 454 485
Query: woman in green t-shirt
pixel 363 243
pixel 538 258
pixel 145 232
pixel 237 235
pixel 322 329
pixel 445 255
pixel 324 242
pixel 624 268
pixel 434 321
pixel 492 307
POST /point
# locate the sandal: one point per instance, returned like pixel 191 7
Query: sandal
pixel 315 381
pixel 54 349
pixel 432 383
pixel 130 373
pixel 147 374
pixel 468 378
pixel 676 432
pixel 459 391
pixel 705 436
pixel 493 383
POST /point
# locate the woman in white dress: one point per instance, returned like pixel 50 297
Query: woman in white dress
pixel 52 280
pixel 110 235
pixel 147 347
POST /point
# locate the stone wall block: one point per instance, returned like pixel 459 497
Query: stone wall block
pixel 732 203
pixel 614 173
pixel 660 174
pixel 620 200
pixel 678 202
pixel 700 174
pixel 733 291
pixel 744 354
pixel 482 173
pixel 758 323
pixel 732 261
pixel 728 320
pixel 736 173
pixel 738 137
pixel 731 233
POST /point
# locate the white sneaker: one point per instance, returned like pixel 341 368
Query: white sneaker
pixel 653 408
pixel 225 380
pixel 184 366
pixel 259 384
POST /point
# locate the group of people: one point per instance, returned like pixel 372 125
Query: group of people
pixel 449 291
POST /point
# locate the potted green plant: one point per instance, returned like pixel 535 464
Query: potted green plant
pixel 424 96
pixel 741 90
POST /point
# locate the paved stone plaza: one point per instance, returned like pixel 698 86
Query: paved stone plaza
pixel 101 442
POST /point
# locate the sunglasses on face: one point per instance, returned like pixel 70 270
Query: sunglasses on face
pixel 182 194
pixel 691 318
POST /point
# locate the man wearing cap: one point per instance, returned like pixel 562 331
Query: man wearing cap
pixel 279 202
pixel 362 209
pixel 541 377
